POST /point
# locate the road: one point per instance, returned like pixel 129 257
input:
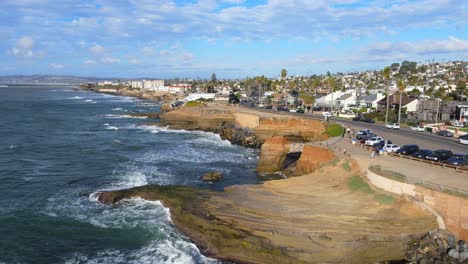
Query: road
pixel 400 137
pixel 406 136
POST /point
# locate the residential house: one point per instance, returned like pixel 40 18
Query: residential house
pixel 196 96
pixel 346 101
pixel 370 101
pixel 153 85
pixel 409 103
pixel 179 88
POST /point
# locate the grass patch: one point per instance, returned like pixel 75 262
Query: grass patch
pixel 357 184
pixel 335 130
pixel 346 167
pixel 193 104
pixel 388 173
pixel 384 199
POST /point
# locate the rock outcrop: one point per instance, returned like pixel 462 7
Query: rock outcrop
pixel 438 247
pixel 273 154
pixel 212 176
pixel 295 129
pixel 238 135
pixel 311 159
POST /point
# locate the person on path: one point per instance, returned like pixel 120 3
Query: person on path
pixel 372 155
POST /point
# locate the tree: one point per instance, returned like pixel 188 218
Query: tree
pixel 284 73
pixel 401 87
pixel 307 99
pixel 213 78
pixel 386 75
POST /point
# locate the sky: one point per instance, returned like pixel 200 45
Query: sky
pixel 232 38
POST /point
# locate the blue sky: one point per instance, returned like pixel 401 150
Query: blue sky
pixel 233 38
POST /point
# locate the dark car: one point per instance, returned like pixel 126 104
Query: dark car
pixel 357 118
pixel 269 107
pixel 379 145
pixel 368 120
pixel 440 155
pixel 364 135
pixel 422 153
pixel 458 160
pixel 300 111
pixel 408 149
pixel 444 133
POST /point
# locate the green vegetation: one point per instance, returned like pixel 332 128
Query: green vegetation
pixel 193 104
pixel 346 167
pixel 357 184
pixel 388 173
pixel 384 199
pixel 335 130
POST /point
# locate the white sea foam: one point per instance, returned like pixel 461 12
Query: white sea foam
pixel 123 116
pixel 76 98
pixel 106 124
pixel 112 128
pixel 117 109
pixel 12 147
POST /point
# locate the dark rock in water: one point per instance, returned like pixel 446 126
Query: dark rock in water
pixel 212 176
pixel 437 246
pixel 238 136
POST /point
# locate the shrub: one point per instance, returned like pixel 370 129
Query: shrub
pixel 193 104
pixel 335 130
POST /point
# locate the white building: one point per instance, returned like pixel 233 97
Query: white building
pixel 179 88
pixel 136 84
pixel 153 85
pixel 196 96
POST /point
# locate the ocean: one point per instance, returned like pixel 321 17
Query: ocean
pixel 59 146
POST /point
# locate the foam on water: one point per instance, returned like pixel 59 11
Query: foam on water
pixel 112 128
pixel 76 98
pixel 123 116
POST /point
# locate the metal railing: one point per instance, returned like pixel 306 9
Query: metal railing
pixel 430 185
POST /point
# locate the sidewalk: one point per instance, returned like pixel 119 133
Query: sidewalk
pixel 413 169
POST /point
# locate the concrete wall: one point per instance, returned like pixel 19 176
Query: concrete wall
pixel 453 209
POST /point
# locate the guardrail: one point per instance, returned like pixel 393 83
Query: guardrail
pixel 431 162
pixel 410 180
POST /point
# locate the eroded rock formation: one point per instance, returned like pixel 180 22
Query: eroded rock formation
pixel 272 154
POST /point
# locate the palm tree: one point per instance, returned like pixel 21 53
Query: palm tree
pixel 386 75
pixel 401 87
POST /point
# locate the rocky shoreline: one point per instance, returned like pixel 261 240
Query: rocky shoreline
pixel 316 218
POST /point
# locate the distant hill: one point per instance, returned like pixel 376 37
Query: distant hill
pixel 49 79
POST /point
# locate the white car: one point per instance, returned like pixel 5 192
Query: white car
pixel 393 126
pixel 391 148
pixel 418 128
pixel 373 140
pixel 327 114
pixel 293 110
pixel 463 139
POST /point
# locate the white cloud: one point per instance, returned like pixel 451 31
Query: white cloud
pixel 164 52
pixel 90 62
pixel 24 48
pixel 147 50
pixel 96 49
pixel 450 45
pixel 134 61
pixel 110 60
pixel 56 66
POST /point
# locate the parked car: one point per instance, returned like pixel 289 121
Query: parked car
pixel 408 149
pixel 381 144
pixel 327 114
pixel 269 107
pixel 293 110
pixel 393 126
pixel 458 160
pixel 391 148
pixel 463 139
pixel 422 153
pixel 364 135
pixel 418 128
pixel 368 120
pixel 300 111
pixel 440 155
pixel 373 140
pixel 357 118
pixel 444 133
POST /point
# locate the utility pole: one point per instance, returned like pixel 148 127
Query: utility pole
pixel 437 112
pixel 386 75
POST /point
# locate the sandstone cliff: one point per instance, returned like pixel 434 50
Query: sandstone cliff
pixel 272 154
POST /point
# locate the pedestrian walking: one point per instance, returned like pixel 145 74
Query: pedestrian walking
pixel 372 155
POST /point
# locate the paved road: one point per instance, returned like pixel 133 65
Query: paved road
pixel 400 137
pixel 405 136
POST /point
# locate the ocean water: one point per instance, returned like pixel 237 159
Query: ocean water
pixel 57 146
